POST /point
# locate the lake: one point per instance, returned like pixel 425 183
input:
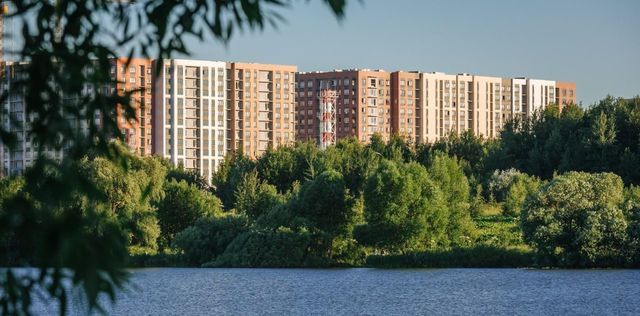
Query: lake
pixel 175 291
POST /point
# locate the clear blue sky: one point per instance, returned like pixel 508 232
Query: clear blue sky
pixel 593 43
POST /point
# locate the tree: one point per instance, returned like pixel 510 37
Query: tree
pixel 522 186
pixel 449 176
pixel 255 197
pixel 327 204
pixel 404 209
pixel 229 175
pixel 353 160
pixel 576 221
pixel 182 206
pixel 287 165
pixel 209 237
pixel 131 193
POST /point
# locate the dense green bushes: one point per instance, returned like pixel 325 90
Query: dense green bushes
pixel 578 220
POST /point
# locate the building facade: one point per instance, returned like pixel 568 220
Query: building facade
pixel 15 118
pixel 190 116
pixel 363 105
pixel 134 76
pixel 260 107
pixel 565 93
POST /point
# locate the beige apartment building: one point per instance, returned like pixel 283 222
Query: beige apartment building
pixel 260 107
pixel 363 103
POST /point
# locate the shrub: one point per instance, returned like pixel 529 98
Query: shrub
pixel 209 237
pixel 576 221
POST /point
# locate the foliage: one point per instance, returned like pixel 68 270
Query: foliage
pixel 448 174
pixel 283 247
pixel 404 209
pixel 130 193
pixel 209 237
pixel 69 46
pixel 182 206
pixel 254 197
pixel 576 220
pixel 230 174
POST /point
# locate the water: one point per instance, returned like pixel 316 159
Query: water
pixel 168 291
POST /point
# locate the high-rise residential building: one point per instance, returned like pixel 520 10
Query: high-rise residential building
pixel 531 95
pixel 190 115
pixel 456 103
pixel 14 117
pixel 406 104
pixel 363 103
pixel 565 93
pixel 135 76
pixel 261 107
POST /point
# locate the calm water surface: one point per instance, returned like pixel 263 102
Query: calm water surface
pixel 168 291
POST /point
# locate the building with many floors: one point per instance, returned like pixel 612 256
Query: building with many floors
pixel 363 105
pixel 134 76
pixel 260 107
pixel 190 113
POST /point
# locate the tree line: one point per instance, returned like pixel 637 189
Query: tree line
pixel 299 206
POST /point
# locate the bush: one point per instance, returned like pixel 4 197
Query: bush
pixel 283 247
pixel 182 206
pixel 576 221
pixel 209 237
pixel 404 209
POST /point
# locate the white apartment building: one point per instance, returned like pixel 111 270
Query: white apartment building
pixel 531 95
pixel 190 117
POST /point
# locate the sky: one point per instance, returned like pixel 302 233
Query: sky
pixel 595 44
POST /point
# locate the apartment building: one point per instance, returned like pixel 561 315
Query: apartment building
pixel 532 95
pixel 134 75
pixel 363 103
pixel 565 93
pixel 456 103
pixel 260 107
pixel 406 105
pixel 190 115
pixel 14 117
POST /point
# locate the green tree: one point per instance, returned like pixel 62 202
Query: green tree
pixel 230 174
pixel 255 197
pixel 404 209
pixel 522 186
pixel 327 204
pixel 576 221
pixel 209 237
pixel 182 206
pixel 449 176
